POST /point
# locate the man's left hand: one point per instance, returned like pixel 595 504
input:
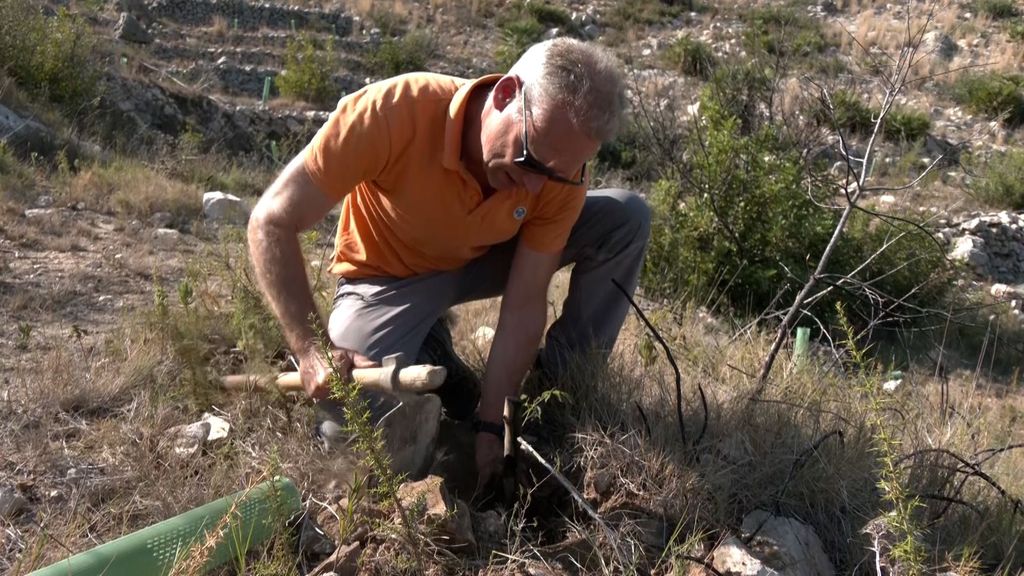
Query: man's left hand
pixel 490 452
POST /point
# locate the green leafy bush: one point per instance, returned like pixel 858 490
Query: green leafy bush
pixel 15 178
pixel 624 14
pixel 53 58
pixel 744 227
pixel 516 36
pixel 740 218
pixel 849 114
pixel 548 15
pixel 408 53
pixel 998 9
pixel 907 125
pixel 1016 30
pixel 992 94
pixel 784 32
pixel 691 57
pixel 1003 183
pixel 307 70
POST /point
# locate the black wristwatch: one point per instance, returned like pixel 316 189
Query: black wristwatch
pixel 490 427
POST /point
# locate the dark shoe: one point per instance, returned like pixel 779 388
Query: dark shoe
pixel 460 392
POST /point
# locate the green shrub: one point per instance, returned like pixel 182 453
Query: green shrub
pixel 783 31
pixel 307 70
pixel 746 216
pixel 907 125
pixel 744 91
pixel 1003 183
pixel 548 15
pixel 408 53
pixel 624 14
pixel 743 227
pixel 998 9
pixel 1016 30
pixel 993 95
pixel 849 113
pixel 691 57
pixel 516 36
pixel 15 178
pixel 53 58
pixel 911 266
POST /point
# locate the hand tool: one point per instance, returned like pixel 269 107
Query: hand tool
pixel 394 375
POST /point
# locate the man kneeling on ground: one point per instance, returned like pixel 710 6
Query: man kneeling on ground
pixel 456 190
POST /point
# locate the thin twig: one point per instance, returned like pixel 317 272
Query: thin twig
pixel 671 360
pixel 613 536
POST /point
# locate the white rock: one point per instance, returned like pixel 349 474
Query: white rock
pixel 11 502
pixel 186 440
pixel 999 291
pixel 219 427
pixel 787 545
pixel 887 199
pixel 970 249
pixel 224 208
pixel 166 237
pixel 482 337
pixel 890 385
pixel 733 558
pixel 941 44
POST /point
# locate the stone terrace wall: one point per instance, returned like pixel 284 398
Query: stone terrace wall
pixel 991 244
pixel 248 16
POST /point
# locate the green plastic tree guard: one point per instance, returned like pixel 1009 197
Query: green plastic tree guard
pixel 803 344
pixel 260 512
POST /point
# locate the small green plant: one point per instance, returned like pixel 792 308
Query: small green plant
pixel 900 520
pixel 24 336
pixel 516 36
pixel 849 113
pixel 390 22
pixel 307 70
pixel 993 95
pixel 16 181
pixel 998 9
pixel 549 15
pixel 1002 185
pixel 906 125
pixel 53 58
pixel 691 57
pixel 626 14
pixel 1015 30
pixel 783 31
pixel 408 53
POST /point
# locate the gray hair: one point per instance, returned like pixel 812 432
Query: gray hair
pixel 583 79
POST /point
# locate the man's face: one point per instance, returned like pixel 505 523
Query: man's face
pixel 528 149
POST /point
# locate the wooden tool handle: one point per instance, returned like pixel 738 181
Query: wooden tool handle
pixel 420 378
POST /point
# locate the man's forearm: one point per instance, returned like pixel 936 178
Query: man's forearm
pixel 280 271
pixel 520 327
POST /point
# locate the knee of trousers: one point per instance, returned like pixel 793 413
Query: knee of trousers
pixel 634 214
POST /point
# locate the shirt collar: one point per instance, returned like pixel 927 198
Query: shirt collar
pixel 452 158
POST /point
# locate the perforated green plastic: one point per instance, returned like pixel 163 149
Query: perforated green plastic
pixel 260 512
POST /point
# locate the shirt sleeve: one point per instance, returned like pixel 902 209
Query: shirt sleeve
pixel 351 147
pixel 547 230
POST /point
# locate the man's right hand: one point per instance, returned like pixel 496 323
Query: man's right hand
pixel 315 370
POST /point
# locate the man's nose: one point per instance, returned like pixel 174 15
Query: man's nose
pixel 534 182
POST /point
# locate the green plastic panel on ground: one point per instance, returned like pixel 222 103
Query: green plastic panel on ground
pixel 260 513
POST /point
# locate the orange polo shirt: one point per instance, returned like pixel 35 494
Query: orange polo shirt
pixel 392 152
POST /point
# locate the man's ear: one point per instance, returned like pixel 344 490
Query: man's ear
pixel 505 91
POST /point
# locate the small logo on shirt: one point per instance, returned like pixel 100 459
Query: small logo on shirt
pixel 519 213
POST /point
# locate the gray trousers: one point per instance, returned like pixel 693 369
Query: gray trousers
pixel 382 316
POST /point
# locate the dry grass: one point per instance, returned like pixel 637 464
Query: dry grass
pixel 131 189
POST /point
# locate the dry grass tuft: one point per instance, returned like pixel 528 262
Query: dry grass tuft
pixel 131 189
